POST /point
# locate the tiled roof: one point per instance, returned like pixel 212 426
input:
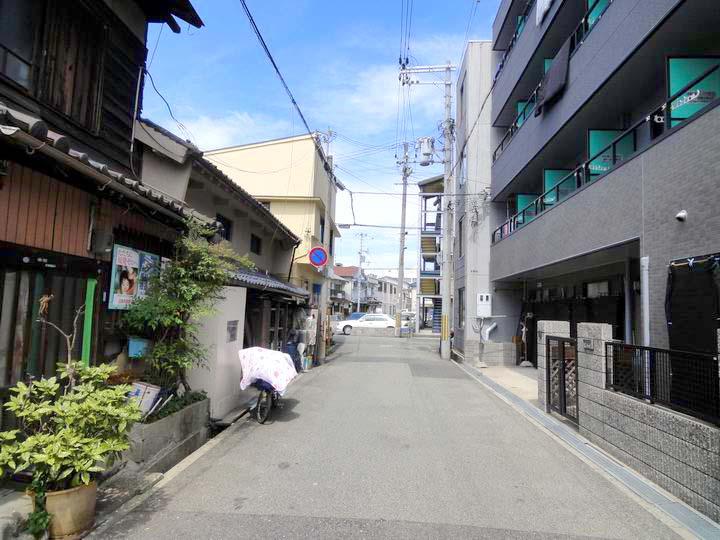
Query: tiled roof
pixel 345 271
pixel 35 135
pixel 170 135
pixel 260 280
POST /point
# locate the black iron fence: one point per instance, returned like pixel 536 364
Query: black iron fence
pixel 685 381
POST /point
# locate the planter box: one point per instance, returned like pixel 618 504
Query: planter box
pixel 158 446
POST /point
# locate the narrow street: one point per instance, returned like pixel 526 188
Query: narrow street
pixel 386 440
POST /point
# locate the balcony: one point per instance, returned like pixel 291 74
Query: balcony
pixel 701 93
pixel 635 199
pixel 612 77
pixel 526 106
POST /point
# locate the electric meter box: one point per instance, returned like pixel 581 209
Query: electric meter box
pixel 484 305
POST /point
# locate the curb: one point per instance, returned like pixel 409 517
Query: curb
pixel 683 519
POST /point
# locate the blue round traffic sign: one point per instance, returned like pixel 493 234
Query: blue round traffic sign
pixel 318 256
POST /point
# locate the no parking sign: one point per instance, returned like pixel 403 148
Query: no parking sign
pixel 318 257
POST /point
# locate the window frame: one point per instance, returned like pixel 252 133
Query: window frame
pixel 255 240
pixel 460 233
pixel 227 223
pixel 461 307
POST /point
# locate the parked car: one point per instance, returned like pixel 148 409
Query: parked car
pixel 368 320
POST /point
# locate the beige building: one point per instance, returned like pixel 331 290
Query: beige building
pixel 294 179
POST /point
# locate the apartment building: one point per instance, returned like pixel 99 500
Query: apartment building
pixel 606 135
pixel 293 178
pixel 485 317
pixel 604 198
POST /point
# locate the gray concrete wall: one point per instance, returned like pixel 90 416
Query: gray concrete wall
pixel 623 27
pixel 158 446
pixel 544 329
pixel 675 451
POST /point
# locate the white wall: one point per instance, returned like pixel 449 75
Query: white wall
pixel 221 377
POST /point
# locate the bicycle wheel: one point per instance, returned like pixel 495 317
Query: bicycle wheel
pixel 262 409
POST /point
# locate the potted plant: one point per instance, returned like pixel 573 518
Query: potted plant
pixel 70 428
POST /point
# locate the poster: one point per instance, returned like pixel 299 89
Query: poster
pixel 130 278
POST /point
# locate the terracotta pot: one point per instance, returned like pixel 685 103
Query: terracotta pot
pixel 72 510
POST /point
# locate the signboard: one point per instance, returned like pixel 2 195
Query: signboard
pixel 130 278
pixel 318 257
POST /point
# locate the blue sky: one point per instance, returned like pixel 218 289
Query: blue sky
pixel 340 60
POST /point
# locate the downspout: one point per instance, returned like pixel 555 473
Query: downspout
pixel 292 259
pixel 645 299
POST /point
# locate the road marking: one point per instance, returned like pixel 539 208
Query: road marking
pixel 683 519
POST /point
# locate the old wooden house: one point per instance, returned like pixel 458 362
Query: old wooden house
pixel 71 84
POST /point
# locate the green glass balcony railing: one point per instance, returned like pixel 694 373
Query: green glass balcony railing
pixel 666 117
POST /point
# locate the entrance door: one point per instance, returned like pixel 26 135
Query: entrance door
pixel 561 354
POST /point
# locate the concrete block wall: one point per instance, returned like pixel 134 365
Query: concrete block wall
pixel 158 446
pixel 544 329
pixel 677 452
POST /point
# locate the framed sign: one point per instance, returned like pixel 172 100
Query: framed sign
pixel 130 278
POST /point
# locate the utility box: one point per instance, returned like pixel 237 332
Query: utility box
pixel 484 305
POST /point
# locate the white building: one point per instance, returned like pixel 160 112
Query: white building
pixel 472 223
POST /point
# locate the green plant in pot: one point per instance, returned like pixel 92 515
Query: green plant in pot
pixel 70 428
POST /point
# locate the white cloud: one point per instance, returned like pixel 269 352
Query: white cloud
pixel 237 127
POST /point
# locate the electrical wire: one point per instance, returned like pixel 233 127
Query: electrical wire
pixel 157 42
pixel 183 128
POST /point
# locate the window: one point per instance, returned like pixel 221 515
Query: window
pixel 460 236
pixel 71 76
pixel 463 173
pixel 332 242
pixel 255 244
pixel 16 39
pixel 461 308
pixel 322 229
pixel 227 227
pixel 598 289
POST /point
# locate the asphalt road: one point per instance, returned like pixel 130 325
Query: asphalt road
pixel 388 441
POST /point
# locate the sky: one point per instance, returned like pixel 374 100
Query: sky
pixel 340 60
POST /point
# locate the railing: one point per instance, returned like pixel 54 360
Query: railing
pixel 684 381
pixel 513 39
pixel 657 122
pixel 577 38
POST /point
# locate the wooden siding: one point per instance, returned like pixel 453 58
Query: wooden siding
pixel 39 211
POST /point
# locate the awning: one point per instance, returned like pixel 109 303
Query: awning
pixel 255 279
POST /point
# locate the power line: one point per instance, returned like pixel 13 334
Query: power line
pixel 183 128
pixel 274 64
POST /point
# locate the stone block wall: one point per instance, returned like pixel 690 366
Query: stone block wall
pixel 544 329
pixel 677 452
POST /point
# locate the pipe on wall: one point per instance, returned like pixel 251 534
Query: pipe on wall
pixel 645 299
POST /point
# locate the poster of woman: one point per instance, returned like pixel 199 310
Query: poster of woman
pixel 131 271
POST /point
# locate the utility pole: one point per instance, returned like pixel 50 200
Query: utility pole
pixel 448 188
pixel 361 257
pixel 447 217
pixel 406 172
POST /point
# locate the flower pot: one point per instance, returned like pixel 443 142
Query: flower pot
pixel 72 510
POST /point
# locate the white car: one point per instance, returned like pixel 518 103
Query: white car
pixel 370 320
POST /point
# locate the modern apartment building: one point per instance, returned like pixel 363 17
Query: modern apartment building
pixel 430 270
pixel 605 167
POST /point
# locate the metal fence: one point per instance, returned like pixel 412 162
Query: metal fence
pixel 685 381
